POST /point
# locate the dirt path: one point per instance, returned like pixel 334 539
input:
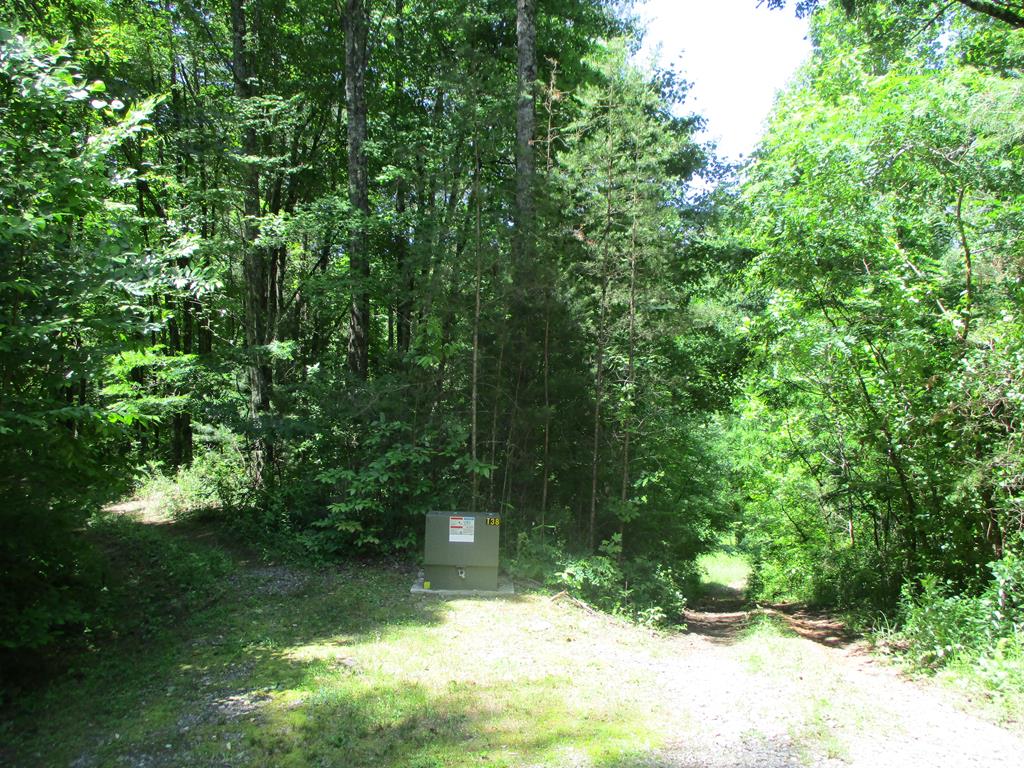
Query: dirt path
pixel 343 667
pixel 809 694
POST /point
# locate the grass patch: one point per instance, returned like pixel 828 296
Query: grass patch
pixel 723 573
pixel 768 645
pixel 978 686
pixel 260 665
pixel 726 568
pixel 151 579
pixel 765 627
pixel 830 713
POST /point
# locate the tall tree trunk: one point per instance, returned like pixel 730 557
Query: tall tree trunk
pixel 526 71
pixel 207 230
pixel 255 265
pixel 523 264
pixel 549 105
pixel 181 442
pixel 968 305
pixel 547 415
pixel 598 396
pixel 181 434
pixel 494 417
pixel 510 447
pixel 404 268
pixel 627 427
pixel 356 23
pixel 476 331
pixel 601 340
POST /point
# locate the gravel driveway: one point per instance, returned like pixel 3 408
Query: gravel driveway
pixel 816 698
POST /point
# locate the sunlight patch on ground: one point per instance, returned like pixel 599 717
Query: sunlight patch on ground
pixel 724 569
pixel 330 651
pixel 829 714
pixel 511 682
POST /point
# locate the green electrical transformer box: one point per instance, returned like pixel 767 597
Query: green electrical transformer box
pixel 461 550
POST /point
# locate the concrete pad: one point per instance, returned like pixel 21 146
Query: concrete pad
pixel 505 589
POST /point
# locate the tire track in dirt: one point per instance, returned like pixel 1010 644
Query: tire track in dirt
pixel 809 696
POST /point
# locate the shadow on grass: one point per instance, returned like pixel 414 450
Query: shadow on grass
pixel 277 667
pixel 188 648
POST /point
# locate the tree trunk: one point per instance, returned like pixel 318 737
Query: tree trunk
pixel 356 23
pixel 547 416
pixel 181 441
pixel 968 307
pixel 598 395
pixel 1012 16
pixel 476 334
pixel 630 369
pixel 494 418
pixel 549 104
pixel 404 268
pixel 255 265
pixel 506 481
pixel 526 40
pixel 605 272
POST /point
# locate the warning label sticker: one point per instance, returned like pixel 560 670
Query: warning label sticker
pixel 461 529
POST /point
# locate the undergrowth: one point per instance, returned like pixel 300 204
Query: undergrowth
pixel 974 640
pixel 215 483
pixel 637 588
pixel 141 581
pixel 634 586
pixel 215 488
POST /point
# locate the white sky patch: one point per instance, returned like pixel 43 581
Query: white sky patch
pixel 736 55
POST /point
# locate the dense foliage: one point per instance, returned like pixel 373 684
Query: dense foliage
pixel 338 265
pixel 318 268
pixel 879 437
pixel 73 286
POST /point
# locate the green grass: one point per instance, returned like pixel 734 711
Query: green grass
pixel 723 571
pixel 213 658
pixel 334 668
pixel 991 686
pixel 832 713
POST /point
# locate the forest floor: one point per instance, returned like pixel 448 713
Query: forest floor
pixel 289 667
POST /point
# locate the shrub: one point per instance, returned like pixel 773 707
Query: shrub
pixel 71 287
pixel 982 633
pixel 215 482
pixel 640 589
pixel 940 625
pixel 1007 596
pixel 1002 667
pixel 535 557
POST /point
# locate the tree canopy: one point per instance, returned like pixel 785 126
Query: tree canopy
pixel 353 262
